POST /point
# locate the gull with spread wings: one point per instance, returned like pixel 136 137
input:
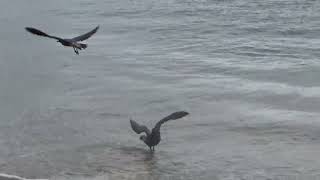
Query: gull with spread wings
pixel 73 42
pixel 152 138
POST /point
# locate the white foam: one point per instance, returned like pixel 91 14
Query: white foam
pixel 13 177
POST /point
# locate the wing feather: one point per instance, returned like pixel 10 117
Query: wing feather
pixel 173 116
pixel 139 128
pixel 40 33
pixel 86 35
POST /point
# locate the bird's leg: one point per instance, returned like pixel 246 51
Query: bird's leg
pixel 75 50
pixel 152 148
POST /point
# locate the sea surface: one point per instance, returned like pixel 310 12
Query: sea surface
pixel 247 71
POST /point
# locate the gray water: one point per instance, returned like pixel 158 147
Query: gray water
pixel 247 72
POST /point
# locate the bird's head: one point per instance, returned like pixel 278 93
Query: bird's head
pixel 143 138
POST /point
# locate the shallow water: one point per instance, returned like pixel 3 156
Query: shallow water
pixel 245 70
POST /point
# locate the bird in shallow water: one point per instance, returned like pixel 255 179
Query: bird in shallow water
pixel 73 42
pixel 152 138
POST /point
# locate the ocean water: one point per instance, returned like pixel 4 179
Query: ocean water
pixel 247 72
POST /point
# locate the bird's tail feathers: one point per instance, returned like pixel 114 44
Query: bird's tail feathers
pixel 83 46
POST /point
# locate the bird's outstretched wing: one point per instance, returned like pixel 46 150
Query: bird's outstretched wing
pixel 40 33
pixel 86 35
pixel 139 128
pixel 173 116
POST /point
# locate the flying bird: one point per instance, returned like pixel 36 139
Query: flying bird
pixel 73 42
pixel 152 138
